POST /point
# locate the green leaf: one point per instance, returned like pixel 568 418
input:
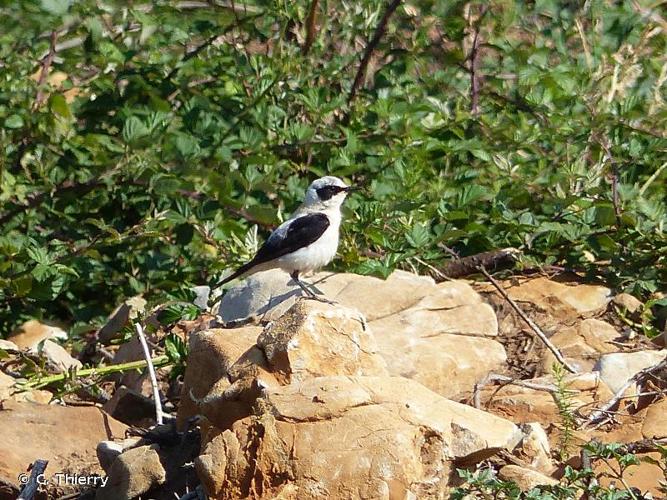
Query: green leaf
pixel 14 121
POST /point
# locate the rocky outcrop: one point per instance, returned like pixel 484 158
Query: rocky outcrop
pixel 310 408
pixel 65 436
pixel 433 333
pixel 350 437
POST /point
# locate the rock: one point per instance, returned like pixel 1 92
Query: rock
pixel 617 368
pixel 125 312
pixel 628 304
pixel 65 436
pixel 266 295
pixel 526 479
pixel 58 358
pixel 130 407
pixel 32 332
pixel 313 339
pixel 107 451
pixel 6 386
pixel 655 423
pixel 523 405
pixel 6 345
pixel 133 473
pixel 582 344
pixel 534 448
pixel 444 341
pixel 202 294
pixel 559 299
pixel 211 354
pixel 349 437
pixel 434 333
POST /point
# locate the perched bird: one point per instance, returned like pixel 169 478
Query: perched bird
pixel 306 241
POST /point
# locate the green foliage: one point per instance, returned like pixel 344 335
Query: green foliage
pixel 563 398
pixel 581 482
pixel 165 133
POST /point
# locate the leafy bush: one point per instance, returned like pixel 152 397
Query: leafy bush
pixel 143 145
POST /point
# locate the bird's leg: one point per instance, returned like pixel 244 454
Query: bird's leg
pixel 308 291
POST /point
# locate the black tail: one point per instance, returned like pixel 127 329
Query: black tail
pixel 239 272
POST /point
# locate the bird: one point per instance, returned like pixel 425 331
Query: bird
pixel 308 240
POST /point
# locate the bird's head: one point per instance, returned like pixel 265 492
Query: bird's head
pixel 326 192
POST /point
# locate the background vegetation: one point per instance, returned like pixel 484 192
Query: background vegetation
pixel 146 146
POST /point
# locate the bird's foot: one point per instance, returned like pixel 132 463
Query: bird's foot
pixel 320 298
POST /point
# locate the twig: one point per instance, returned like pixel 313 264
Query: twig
pixel 600 414
pixel 650 180
pixel 151 373
pixel 474 61
pixel 372 44
pixel 36 472
pixel 538 331
pixel 493 377
pixel 46 66
pixel 464 266
pixel 311 28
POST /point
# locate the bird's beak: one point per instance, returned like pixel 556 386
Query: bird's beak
pixel 350 189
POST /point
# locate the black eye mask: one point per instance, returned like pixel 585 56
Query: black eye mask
pixel 328 192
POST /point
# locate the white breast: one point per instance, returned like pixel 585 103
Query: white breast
pixel 315 255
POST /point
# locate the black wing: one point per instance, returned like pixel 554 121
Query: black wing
pixel 299 233
pixel 287 238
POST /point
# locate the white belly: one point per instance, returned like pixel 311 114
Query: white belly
pixel 314 256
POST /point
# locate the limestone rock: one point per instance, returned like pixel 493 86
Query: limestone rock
pixel 442 335
pixel 211 354
pixel 313 339
pixel 523 405
pixel 582 344
pixel 526 479
pixel 617 368
pixel 58 358
pixel 108 451
pixel 655 423
pixel 561 300
pixel 128 310
pixel 9 346
pixel 133 473
pixel 6 386
pixel 535 448
pixel 628 303
pixel 350 437
pixel 65 436
pixel 32 332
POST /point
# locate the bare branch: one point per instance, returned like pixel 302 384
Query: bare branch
pixel 311 27
pixel 372 44
pixel 37 469
pixel 601 414
pixel 538 331
pixel 44 73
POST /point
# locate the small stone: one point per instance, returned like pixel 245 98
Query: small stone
pixel 133 473
pixel 526 479
pixel 628 303
pixel 128 310
pixel 655 423
pixel 535 448
pixel 32 332
pixel 619 367
pixel 59 358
